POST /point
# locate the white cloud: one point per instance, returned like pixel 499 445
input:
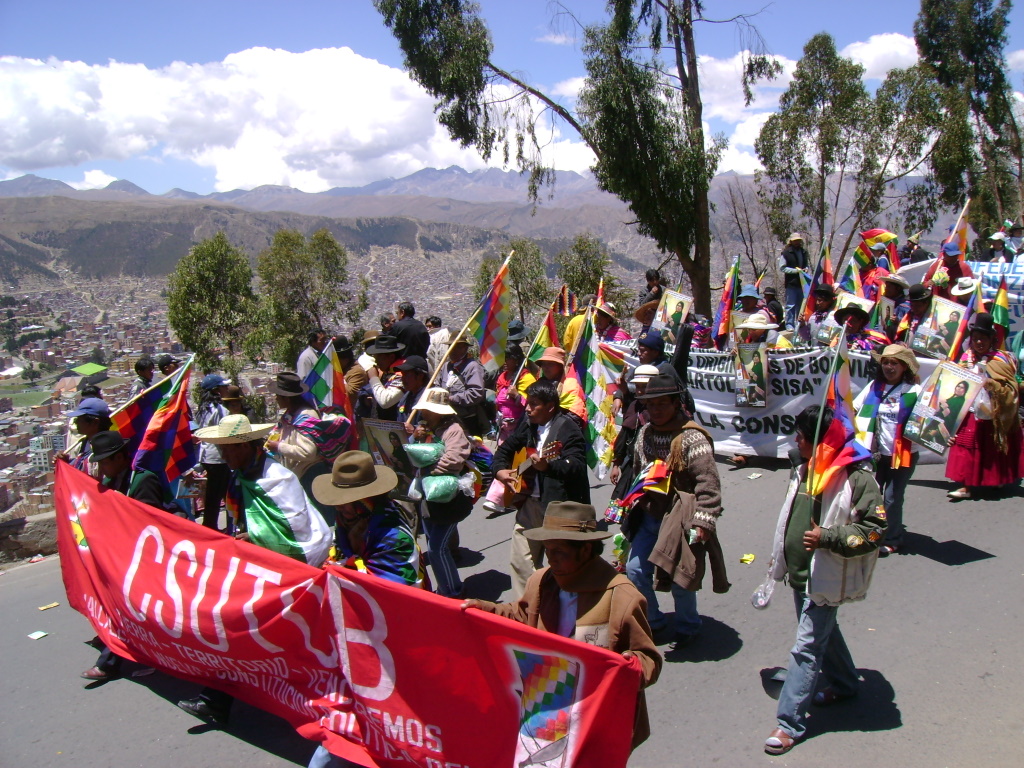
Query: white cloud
pixel 93 180
pixel 556 38
pixel 740 161
pixel 312 120
pixel 568 88
pixel 883 52
pixel 1015 60
pixel 722 88
pixel 745 133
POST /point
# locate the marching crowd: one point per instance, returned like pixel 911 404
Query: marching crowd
pixel 297 477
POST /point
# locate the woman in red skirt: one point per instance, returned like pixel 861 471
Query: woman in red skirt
pixel 986 450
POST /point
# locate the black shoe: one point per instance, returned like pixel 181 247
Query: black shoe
pixel 204 711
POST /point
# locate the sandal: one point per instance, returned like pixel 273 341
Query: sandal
pixel 959 494
pixel 779 742
pixel 826 697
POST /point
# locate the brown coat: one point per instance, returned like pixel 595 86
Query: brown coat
pixel 676 560
pixel 611 613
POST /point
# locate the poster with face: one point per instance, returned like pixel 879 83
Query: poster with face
pixel 829 332
pixel 671 313
pixel 384 441
pixel 946 398
pixel 751 385
pixel 886 312
pixel 937 331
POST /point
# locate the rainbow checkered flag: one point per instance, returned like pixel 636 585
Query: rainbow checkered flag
pixel 548 695
pixel 489 323
pixel 721 325
pixel 597 368
pixel 156 423
pixel 326 384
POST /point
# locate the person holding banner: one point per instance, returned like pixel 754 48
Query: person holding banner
pixel 986 450
pixel 882 409
pixel 825 545
pixel 581 595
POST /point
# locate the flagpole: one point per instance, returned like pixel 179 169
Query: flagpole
pixel 956 226
pixel 570 354
pixel 824 400
pixel 811 286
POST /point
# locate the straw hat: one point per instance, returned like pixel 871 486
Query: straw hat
pixel 794 236
pixel 645 312
pixel 644 373
pixel 353 477
pixel 435 400
pixel 233 428
pixel 898 352
pixel 757 322
pixel 568 520
pixel 606 307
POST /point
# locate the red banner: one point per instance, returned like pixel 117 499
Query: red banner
pixel 384 674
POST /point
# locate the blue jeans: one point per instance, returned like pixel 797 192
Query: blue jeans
pixel 819 648
pixel 447 575
pixel 794 298
pixel 322 758
pixel 893 485
pixel 641 572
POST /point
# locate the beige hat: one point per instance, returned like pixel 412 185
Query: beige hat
pixel 354 476
pixel 435 400
pixel 757 322
pixel 234 428
pixel 964 286
pixel 997 236
pixel 645 312
pixel 901 353
pixel 553 355
pixel 644 373
pixel 794 236
pixel 567 520
pixel 898 279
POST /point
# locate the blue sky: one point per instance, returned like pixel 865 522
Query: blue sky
pixel 223 94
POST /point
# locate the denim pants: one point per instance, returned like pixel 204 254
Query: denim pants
pixel 322 758
pixel 794 298
pixel 819 648
pixel 446 574
pixel 640 571
pixel 893 485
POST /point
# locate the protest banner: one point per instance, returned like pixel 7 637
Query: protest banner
pixel 382 673
pixel 945 399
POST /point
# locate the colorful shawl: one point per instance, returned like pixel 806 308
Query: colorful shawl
pixel 653 477
pixel 867 421
pixel 331 436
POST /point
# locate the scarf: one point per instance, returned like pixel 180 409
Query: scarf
pixel 1002 389
pixel 331 436
pixel 866 421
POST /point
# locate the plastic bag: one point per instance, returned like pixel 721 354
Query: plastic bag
pixel 440 488
pixel 424 454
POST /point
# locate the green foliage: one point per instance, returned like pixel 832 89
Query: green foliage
pixel 304 286
pixel 210 303
pixel 97 356
pixel 584 265
pixel 978 150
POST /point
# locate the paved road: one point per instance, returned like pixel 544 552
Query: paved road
pixel 938 641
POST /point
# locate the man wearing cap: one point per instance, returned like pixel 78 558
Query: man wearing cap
pixel 945 271
pixel 606 324
pixel 316 341
pixel 657 522
pixel 439 337
pixel 114 460
pixel 144 367
pixel 920 305
pixel 570 394
pixel 209 414
pixel 580 595
pixel 463 377
pixel 410 331
pixel 792 261
pixel 167 365
pixel 271 511
pixel 558 478
pixel 999 251
pixel 878 267
pixel 817 328
pixel 379 398
pixel 91 417
pixel 415 375
pixel 650 350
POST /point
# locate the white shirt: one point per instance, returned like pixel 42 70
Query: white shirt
pixel 306 362
pixel 888 418
pixel 542 438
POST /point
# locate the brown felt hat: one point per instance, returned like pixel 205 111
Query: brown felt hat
pixel 353 477
pixel 568 520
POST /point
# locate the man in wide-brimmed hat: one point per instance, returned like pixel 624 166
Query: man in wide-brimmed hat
pixel 920 303
pixel 773 305
pixel 580 595
pixel 894 288
pixel 757 328
pixel 379 398
pixel 561 476
pixel 792 261
pixel 606 323
pixel 354 373
pixel 858 335
pixel 656 523
pixel 817 329
pixel 650 350
pixel 273 513
pixel 645 315
pixel 750 299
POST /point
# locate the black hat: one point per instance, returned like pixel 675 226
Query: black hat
pixel 660 386
pixel 289 385
pixel 106 444
pixel 844 314
pixel 413 363
pixel 823 289
pixel 384 344
pixel 164 360
pixel 983 322
pixel 919 292
pixel 769 291
pixel 516 331
pixel 342 344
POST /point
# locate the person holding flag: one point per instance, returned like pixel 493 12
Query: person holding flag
pixel 793 261
pixel 825 544
pixel 947 270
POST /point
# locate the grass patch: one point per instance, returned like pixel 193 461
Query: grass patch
pixel 27 399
